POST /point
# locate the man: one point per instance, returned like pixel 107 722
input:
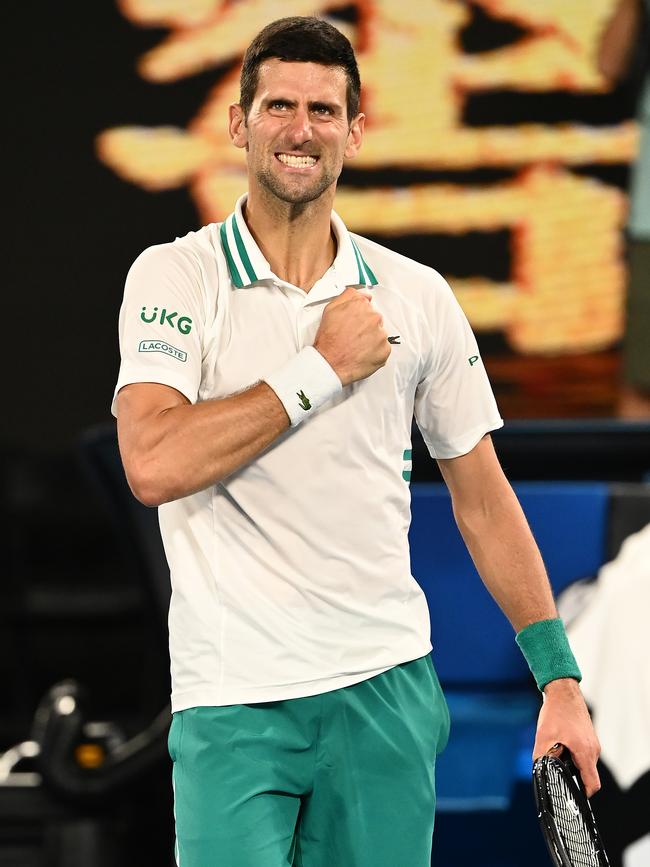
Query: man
pixel 271 368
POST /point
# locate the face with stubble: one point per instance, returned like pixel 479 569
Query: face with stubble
pixel 297 132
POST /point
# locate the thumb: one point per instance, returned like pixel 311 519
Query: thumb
pixel 362 292
pixel 588 773
pixel 348 294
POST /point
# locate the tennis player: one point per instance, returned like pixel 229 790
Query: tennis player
pixel 271 368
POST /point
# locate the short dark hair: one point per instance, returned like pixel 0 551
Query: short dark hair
pixel 304 39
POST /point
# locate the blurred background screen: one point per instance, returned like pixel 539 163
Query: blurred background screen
pixel 495 153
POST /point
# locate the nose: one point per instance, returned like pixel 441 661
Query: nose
pixel 300 130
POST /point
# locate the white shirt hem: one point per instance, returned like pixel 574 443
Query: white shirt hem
pixel 209 696
pixel 464 444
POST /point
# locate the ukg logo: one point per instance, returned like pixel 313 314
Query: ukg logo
pixel 183 323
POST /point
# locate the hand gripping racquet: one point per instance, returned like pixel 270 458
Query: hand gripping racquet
pixel 564 812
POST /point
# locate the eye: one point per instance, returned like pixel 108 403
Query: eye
pixel 321 109
pixel 278 105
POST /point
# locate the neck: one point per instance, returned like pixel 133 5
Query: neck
pixel 296 240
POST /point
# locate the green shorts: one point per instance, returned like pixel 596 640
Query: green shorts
pixel 340 779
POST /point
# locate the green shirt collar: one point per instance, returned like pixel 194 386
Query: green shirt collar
pixel 247 265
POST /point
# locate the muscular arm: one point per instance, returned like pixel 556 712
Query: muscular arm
pixel 497 535
pixel 501 544
pixel 171 448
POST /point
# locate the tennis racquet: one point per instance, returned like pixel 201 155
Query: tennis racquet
pixel 564 812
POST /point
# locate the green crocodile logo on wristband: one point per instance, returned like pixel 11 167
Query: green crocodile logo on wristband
pixel 304 400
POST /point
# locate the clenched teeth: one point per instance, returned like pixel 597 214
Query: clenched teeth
pixel 295 161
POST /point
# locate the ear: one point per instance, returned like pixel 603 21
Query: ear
pixel 355 136
pixel 237 126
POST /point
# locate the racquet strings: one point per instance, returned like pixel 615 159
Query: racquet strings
pixel 570 823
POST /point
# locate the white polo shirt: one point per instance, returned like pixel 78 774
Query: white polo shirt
pixel 292 577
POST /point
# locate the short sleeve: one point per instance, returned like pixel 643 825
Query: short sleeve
pixel 454 403
pixel 161 322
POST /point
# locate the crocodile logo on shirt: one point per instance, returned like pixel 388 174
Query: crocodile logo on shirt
pixel 394 339
pixel 304 400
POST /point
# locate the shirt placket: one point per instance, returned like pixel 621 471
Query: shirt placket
pixel 295 309
pixel 305 312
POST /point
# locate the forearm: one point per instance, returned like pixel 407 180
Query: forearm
pixel 507 558
pixel 187 448
pixel 497 535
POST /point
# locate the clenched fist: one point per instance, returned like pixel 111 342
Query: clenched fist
pixel 351 336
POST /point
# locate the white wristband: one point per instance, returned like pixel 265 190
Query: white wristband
pixel 304 384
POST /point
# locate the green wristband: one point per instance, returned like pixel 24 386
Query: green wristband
pixel 547 651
